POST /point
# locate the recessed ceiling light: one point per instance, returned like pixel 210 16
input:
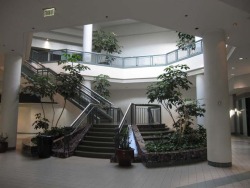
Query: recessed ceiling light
pixel 47 39
pixel 233 68
pixel 235 24
pixel 241 58
pixel 228 38
pixel 232 74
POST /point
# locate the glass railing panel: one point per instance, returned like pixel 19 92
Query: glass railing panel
pixel 198 48
pixel 182 54
pixel 118 62
pixel 89 57
pixel 144 61
pixel 159 60
pixel 171 57
pixel 130 62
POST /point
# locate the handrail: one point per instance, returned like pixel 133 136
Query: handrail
pixel 75 122
pixel 88 89
pixel 98 95
pixel 124 117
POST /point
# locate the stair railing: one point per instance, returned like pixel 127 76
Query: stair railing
pixel 65 145
pixel 146 114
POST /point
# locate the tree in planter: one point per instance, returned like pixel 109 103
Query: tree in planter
pixel 167 92
pixel 185 41
pixel 107 42
pixel 69 82
pixel 101 85
pixel 42 87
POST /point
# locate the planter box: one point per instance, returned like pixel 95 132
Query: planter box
pixel 124 157
pixel 151 160
pixel 3 147
pixel 44 145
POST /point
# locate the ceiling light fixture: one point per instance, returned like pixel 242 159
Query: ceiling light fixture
pixel 235 24
pixel 49 12
pixel 233 68
pixel 232 74
pixel 241 58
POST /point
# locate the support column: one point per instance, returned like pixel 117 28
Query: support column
pixel 87 42
pixel 200 95
pixel 217 100
pixel 10 97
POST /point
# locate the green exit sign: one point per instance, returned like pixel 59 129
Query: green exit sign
pixel 48 12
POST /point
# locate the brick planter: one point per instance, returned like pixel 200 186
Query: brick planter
pixel 152 160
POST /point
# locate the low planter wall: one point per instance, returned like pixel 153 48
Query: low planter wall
pixel 152 160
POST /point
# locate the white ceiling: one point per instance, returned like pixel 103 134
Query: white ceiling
pixel 20 18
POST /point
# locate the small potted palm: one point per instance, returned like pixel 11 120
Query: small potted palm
pixel 3 143
pixel 124 153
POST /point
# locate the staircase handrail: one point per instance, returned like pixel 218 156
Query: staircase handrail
pixel 75 124
pixel 101 98
pixel 69 142
pixel 27 63
pixel 98 95
pixel 124 118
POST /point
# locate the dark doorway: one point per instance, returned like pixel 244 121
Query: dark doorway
pixel 240 117
pixel 248 115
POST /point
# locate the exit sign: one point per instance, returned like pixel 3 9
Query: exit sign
pixel 48 12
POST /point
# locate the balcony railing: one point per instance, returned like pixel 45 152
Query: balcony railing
pixel 120 62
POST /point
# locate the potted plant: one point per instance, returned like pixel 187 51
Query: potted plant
pixel 3 143
pixel 124 153
pixel 107 42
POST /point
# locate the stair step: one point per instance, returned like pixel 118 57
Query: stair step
pixel 152 133
pixel 93 154
pixel 151 126
pixel 97 129
pixel 101 134
pixel 94 143
pixel 100 139
pixel 153 129
pixel 104 125
pixel 96 149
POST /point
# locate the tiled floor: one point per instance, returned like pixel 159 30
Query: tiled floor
pixel 18 171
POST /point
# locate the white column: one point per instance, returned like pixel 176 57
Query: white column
pixel 10 97
pixel 217 100
pixel 200 95
pixel 87 42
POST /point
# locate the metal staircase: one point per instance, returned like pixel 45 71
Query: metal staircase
pixel 88 126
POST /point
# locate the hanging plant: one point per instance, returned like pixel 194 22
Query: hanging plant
pixel 185 41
